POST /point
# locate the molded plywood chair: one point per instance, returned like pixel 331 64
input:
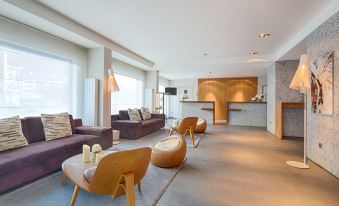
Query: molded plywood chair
pixel 116 174
pixel 187 126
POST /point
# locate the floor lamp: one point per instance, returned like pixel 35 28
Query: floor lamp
pixel 301 82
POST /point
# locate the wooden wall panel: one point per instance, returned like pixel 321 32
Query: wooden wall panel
pixel 222 90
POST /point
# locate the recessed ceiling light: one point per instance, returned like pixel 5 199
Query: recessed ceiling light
pixel 264 35
pixel 253 53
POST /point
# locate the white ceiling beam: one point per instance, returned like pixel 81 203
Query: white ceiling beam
pixel 40 10
pixel 329 10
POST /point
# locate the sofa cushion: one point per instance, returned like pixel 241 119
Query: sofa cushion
pixel 34 129
pixel 151 122
pixel 11 135
pixel 145 113
pixel 36 152
pixel 134 114
pixel 123 114
pixel 74 143
pixel 56 125
pixel 43 151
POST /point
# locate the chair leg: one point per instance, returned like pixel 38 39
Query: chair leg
pixel 63 178
pixel 129 178
pixel 75 195
pixel 170 132
pixel 139 186
pixel 192 136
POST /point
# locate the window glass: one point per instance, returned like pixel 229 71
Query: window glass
pixel 31 84
pixel 129 96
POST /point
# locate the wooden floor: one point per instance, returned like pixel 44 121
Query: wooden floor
pixel 246 166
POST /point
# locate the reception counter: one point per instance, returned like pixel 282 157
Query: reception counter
pixel 201 109
pixel 247 114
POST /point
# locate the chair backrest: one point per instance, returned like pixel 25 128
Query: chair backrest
pixel 186 123
pixel 110 169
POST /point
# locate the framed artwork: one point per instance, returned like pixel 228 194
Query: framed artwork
pixel 185 94
pixel 322 84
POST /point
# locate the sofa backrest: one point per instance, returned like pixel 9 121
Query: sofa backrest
pixel 33 129
pixel 123 114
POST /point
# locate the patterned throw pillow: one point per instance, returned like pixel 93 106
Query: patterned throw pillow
pixel 56 125
pixel 11 133
pixel 134 114
pixel 145 113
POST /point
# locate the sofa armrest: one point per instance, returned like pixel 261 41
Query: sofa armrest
pixel 105 134
pixel 159 116
pixel 128 129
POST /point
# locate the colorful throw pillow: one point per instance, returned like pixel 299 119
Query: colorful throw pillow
pixel 11 135
pixel 146 114
pixel 56 125
pixel 134 114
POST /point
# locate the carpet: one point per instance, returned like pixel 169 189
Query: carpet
pixel 49 191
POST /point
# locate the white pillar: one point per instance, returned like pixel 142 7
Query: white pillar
pixel 99 61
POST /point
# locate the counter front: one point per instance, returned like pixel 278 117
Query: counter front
pixel 247 114
pixel 201 109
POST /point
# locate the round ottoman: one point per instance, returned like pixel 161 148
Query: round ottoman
pixel 169 152
pixel 201 126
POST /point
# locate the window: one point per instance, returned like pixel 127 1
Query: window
pixel 129 96
pixel 32 83
pixel 164 100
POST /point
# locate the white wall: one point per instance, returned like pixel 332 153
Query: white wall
pixel 262 80
pixel 174 100
pixel 271 99
pixel 21 35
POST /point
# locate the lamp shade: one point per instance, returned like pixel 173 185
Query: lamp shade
pixel 112 83
pixel 301 79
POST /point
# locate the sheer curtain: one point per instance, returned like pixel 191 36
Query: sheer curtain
pixel 32 82
pixel 129 96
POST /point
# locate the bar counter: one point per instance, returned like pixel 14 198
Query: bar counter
pixel 201 109
pixel 247 114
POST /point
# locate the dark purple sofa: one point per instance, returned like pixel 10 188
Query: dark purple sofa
pixel 136 129
pixel 22 165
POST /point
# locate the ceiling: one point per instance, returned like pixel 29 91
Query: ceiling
pixel 176 34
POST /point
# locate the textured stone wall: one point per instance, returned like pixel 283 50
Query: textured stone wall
pixel 324 129
pixel 279 77
pixel 293 117
pixel 271 99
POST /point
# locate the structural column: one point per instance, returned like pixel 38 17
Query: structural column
pixel 99 61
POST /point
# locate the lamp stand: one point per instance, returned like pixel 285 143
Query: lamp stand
pixel 302 165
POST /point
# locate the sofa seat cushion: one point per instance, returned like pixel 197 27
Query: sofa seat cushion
pixel 151 122
pixel 36 152
pixel 43 151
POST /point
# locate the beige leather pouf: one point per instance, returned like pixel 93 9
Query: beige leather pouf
pixel 169 152
pixel 201 126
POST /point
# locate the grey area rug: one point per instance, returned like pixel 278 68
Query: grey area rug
pixel 49 192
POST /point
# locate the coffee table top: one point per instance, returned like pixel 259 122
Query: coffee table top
pixel 74 169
